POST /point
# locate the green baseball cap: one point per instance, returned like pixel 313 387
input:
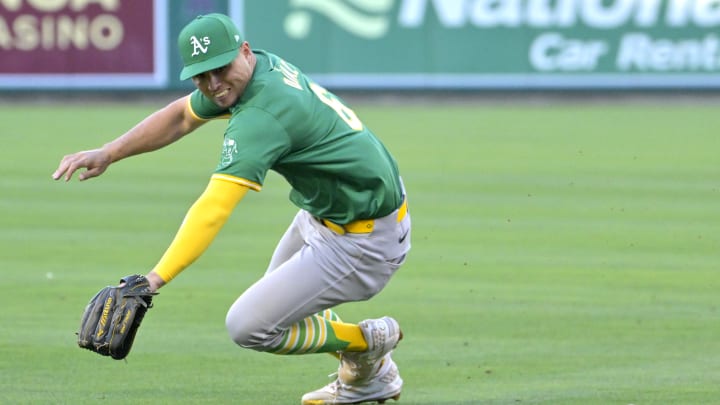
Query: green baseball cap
pixel 208 42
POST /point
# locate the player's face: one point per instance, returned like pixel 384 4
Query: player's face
pixel 226 84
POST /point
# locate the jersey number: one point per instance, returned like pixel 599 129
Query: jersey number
pixel 341 109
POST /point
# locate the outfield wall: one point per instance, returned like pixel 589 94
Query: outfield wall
pixel 375 44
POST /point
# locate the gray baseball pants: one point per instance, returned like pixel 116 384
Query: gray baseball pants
pixel 313 269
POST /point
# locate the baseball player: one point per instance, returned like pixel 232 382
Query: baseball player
pixel 352 231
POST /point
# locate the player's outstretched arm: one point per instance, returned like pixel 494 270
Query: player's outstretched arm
pixel 201 224
pixel 161 128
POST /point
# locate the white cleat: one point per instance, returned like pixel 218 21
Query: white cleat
pixel 382 336
pixel 365 376
pixel 385 384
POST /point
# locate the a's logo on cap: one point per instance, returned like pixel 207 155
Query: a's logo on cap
pixel 198 45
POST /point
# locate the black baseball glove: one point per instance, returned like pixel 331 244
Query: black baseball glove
pixel 113 316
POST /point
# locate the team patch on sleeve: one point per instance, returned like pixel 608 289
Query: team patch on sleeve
pixel 239 180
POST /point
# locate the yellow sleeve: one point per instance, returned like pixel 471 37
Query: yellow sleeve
pixel 201 224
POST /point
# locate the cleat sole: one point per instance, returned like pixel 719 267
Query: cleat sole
pixel 396 398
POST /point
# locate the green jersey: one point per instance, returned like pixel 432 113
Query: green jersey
pixel 337 168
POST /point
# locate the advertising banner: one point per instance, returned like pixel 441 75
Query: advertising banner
pixel 83 43
pixel 460 44
pixel 375 44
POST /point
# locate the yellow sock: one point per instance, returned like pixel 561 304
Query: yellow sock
pixel 350 333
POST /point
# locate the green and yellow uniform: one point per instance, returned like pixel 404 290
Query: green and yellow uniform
pixel 336 166
pixel 350 234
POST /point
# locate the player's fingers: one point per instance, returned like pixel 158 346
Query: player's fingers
pixel 90 173
pixel 94 161
pixel 70 170
pixel 58 172
pixel 73 163
pixel 62 168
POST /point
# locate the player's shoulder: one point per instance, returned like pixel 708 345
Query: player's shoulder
pixel 277 88
pixel 276 75
pixel 204 109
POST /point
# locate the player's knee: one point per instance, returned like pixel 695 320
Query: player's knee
pixel 238 329
pixel 246 332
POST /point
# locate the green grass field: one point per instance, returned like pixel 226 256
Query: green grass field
pixel 563 254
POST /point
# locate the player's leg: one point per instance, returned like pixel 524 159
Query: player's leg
pixel 279 313
pixel 371 375
pixel 291 243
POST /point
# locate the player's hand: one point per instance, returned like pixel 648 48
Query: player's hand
pixel 95 161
